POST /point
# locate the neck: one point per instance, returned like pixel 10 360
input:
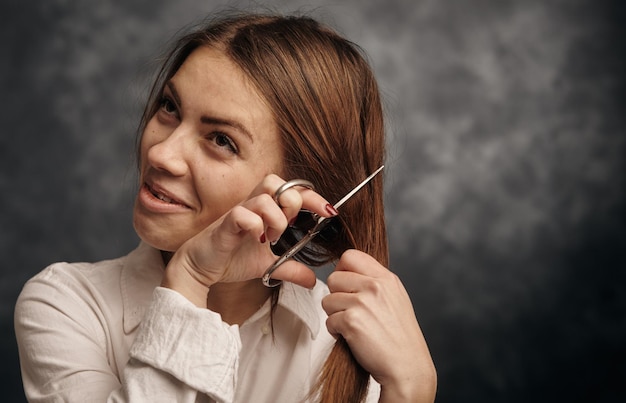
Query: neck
pixel 236 302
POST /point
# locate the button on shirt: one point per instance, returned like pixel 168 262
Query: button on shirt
pixel 107 332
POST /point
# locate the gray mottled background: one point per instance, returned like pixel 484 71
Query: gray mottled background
pixel 506 185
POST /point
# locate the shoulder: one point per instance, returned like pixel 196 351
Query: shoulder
pixel 90 287
pixel 64 297
pixel 64 293
pixel 103 291
pixel 87 280
pixel 66 279
pixel 96 300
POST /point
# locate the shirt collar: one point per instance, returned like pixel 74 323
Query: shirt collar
pixel 303 304
pixel 143 272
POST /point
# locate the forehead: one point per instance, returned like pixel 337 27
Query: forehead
pixel 209 68
pixel 208 81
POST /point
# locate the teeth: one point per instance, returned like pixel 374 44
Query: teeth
pixel 161 197
pixel 165 199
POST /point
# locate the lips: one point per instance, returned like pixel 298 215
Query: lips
pixel 164 196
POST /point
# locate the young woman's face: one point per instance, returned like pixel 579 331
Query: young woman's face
pixel 209 144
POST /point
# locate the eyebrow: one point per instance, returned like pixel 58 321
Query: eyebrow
pixel 211 119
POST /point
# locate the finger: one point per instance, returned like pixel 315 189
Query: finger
pixel 333 324
pixel 274 220
pixel 359 272
pixel 309 200
pixel 360 262
pixel 344 281
pixel 347 323
pixel 294 199
pixel 290 198
pixel 241 221
pixel 337 302
pixel 295 272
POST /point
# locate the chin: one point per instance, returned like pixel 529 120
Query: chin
pixel 158 241
pixel 161 237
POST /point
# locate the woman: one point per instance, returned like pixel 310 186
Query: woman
pixel 239 107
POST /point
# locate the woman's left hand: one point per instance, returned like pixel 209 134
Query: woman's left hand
pixel 371 309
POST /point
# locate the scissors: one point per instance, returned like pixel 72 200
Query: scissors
pixel 321 223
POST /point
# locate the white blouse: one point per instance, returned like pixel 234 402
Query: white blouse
pixel 107 332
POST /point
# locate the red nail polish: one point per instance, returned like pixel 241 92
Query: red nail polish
pixel 331 210
pixel 262 239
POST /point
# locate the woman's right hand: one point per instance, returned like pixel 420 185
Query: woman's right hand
pixel 236 247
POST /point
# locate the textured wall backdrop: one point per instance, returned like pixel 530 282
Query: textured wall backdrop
pixel 505 182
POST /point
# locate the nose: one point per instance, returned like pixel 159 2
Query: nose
pixel 170 153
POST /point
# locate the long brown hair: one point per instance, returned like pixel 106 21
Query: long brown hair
pixel 327 106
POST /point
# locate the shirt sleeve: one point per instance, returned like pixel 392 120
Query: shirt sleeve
pixel 189 343
pixel 179 349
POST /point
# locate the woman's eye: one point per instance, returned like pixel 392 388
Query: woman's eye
pixel 167 105
pixel 223 141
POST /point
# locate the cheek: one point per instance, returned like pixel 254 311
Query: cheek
pixel 149 137
pixel 142 158
pixel 220 193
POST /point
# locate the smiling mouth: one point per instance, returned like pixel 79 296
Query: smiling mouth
pixel 162 197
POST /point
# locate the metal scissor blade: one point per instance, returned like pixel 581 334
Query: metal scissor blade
pixel 357 188
pixel 321 223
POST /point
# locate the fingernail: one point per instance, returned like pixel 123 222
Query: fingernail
pixel 262 239
pixel 331 210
